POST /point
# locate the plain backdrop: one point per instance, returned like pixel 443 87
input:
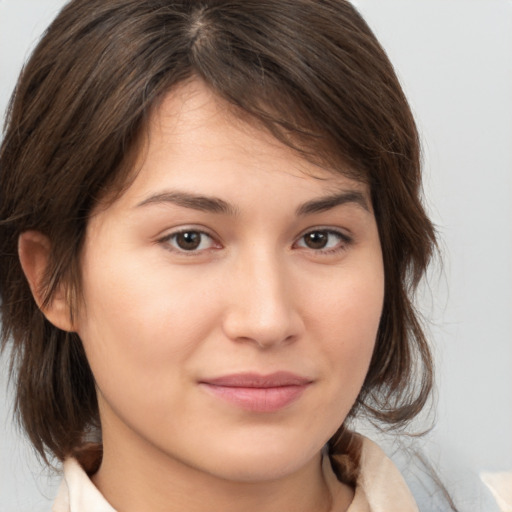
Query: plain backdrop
pixel 454 58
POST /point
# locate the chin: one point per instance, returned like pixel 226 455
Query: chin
pixel 257 471
pixel 261 462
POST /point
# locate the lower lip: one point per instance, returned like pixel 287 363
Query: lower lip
pixel 258 399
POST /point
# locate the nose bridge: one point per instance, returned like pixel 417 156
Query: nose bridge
pixel 262 308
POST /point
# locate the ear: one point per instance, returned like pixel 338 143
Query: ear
pixel 34 253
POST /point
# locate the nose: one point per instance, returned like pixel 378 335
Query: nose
pixel 262 308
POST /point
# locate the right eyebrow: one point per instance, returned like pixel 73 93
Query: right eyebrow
pixel 193 201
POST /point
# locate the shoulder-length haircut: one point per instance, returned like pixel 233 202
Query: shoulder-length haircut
pixel 309 71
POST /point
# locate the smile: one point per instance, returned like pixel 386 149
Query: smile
pixel 258 393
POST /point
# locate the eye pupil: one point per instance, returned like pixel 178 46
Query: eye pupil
pixel 188 240
pixel 316 240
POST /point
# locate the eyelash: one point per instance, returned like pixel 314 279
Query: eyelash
pixel 343 241
pixel 167 241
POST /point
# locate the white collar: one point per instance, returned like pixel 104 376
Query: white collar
pixel 77 493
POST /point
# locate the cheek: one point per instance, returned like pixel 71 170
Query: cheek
pixel 348 318
pixel 141 325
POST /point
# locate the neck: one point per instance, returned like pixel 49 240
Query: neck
pixel 146 479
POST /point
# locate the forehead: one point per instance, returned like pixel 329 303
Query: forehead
pixel 195 139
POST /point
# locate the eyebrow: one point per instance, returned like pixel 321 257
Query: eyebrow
pixel 196 202
pixel 328 203
pixel 219 206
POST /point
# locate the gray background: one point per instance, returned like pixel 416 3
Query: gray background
pixel 454 58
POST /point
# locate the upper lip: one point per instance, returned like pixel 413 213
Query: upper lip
pixel 255 380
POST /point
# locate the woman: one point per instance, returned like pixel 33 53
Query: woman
pixel 211 230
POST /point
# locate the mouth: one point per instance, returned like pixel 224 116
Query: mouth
pixel 258 393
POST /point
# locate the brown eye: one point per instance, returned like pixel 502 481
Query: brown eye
pixel 189 241
pixel 316 239
pixel 324 240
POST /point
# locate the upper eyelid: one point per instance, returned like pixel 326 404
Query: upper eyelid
pixel 170 232
pixel 343 233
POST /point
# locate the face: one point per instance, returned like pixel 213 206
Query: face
pixel 232 297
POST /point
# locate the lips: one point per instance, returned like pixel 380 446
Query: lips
pixel 258 393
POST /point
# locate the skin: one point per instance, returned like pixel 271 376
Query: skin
pixel 258 294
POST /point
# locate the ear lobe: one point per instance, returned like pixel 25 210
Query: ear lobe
pixel 34 252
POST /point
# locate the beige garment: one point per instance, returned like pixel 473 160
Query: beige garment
pixel 500 484
pixel 380 487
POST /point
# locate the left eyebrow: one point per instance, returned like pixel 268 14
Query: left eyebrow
pixel 327 203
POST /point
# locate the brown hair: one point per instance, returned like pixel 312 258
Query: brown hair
pixel 310 71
